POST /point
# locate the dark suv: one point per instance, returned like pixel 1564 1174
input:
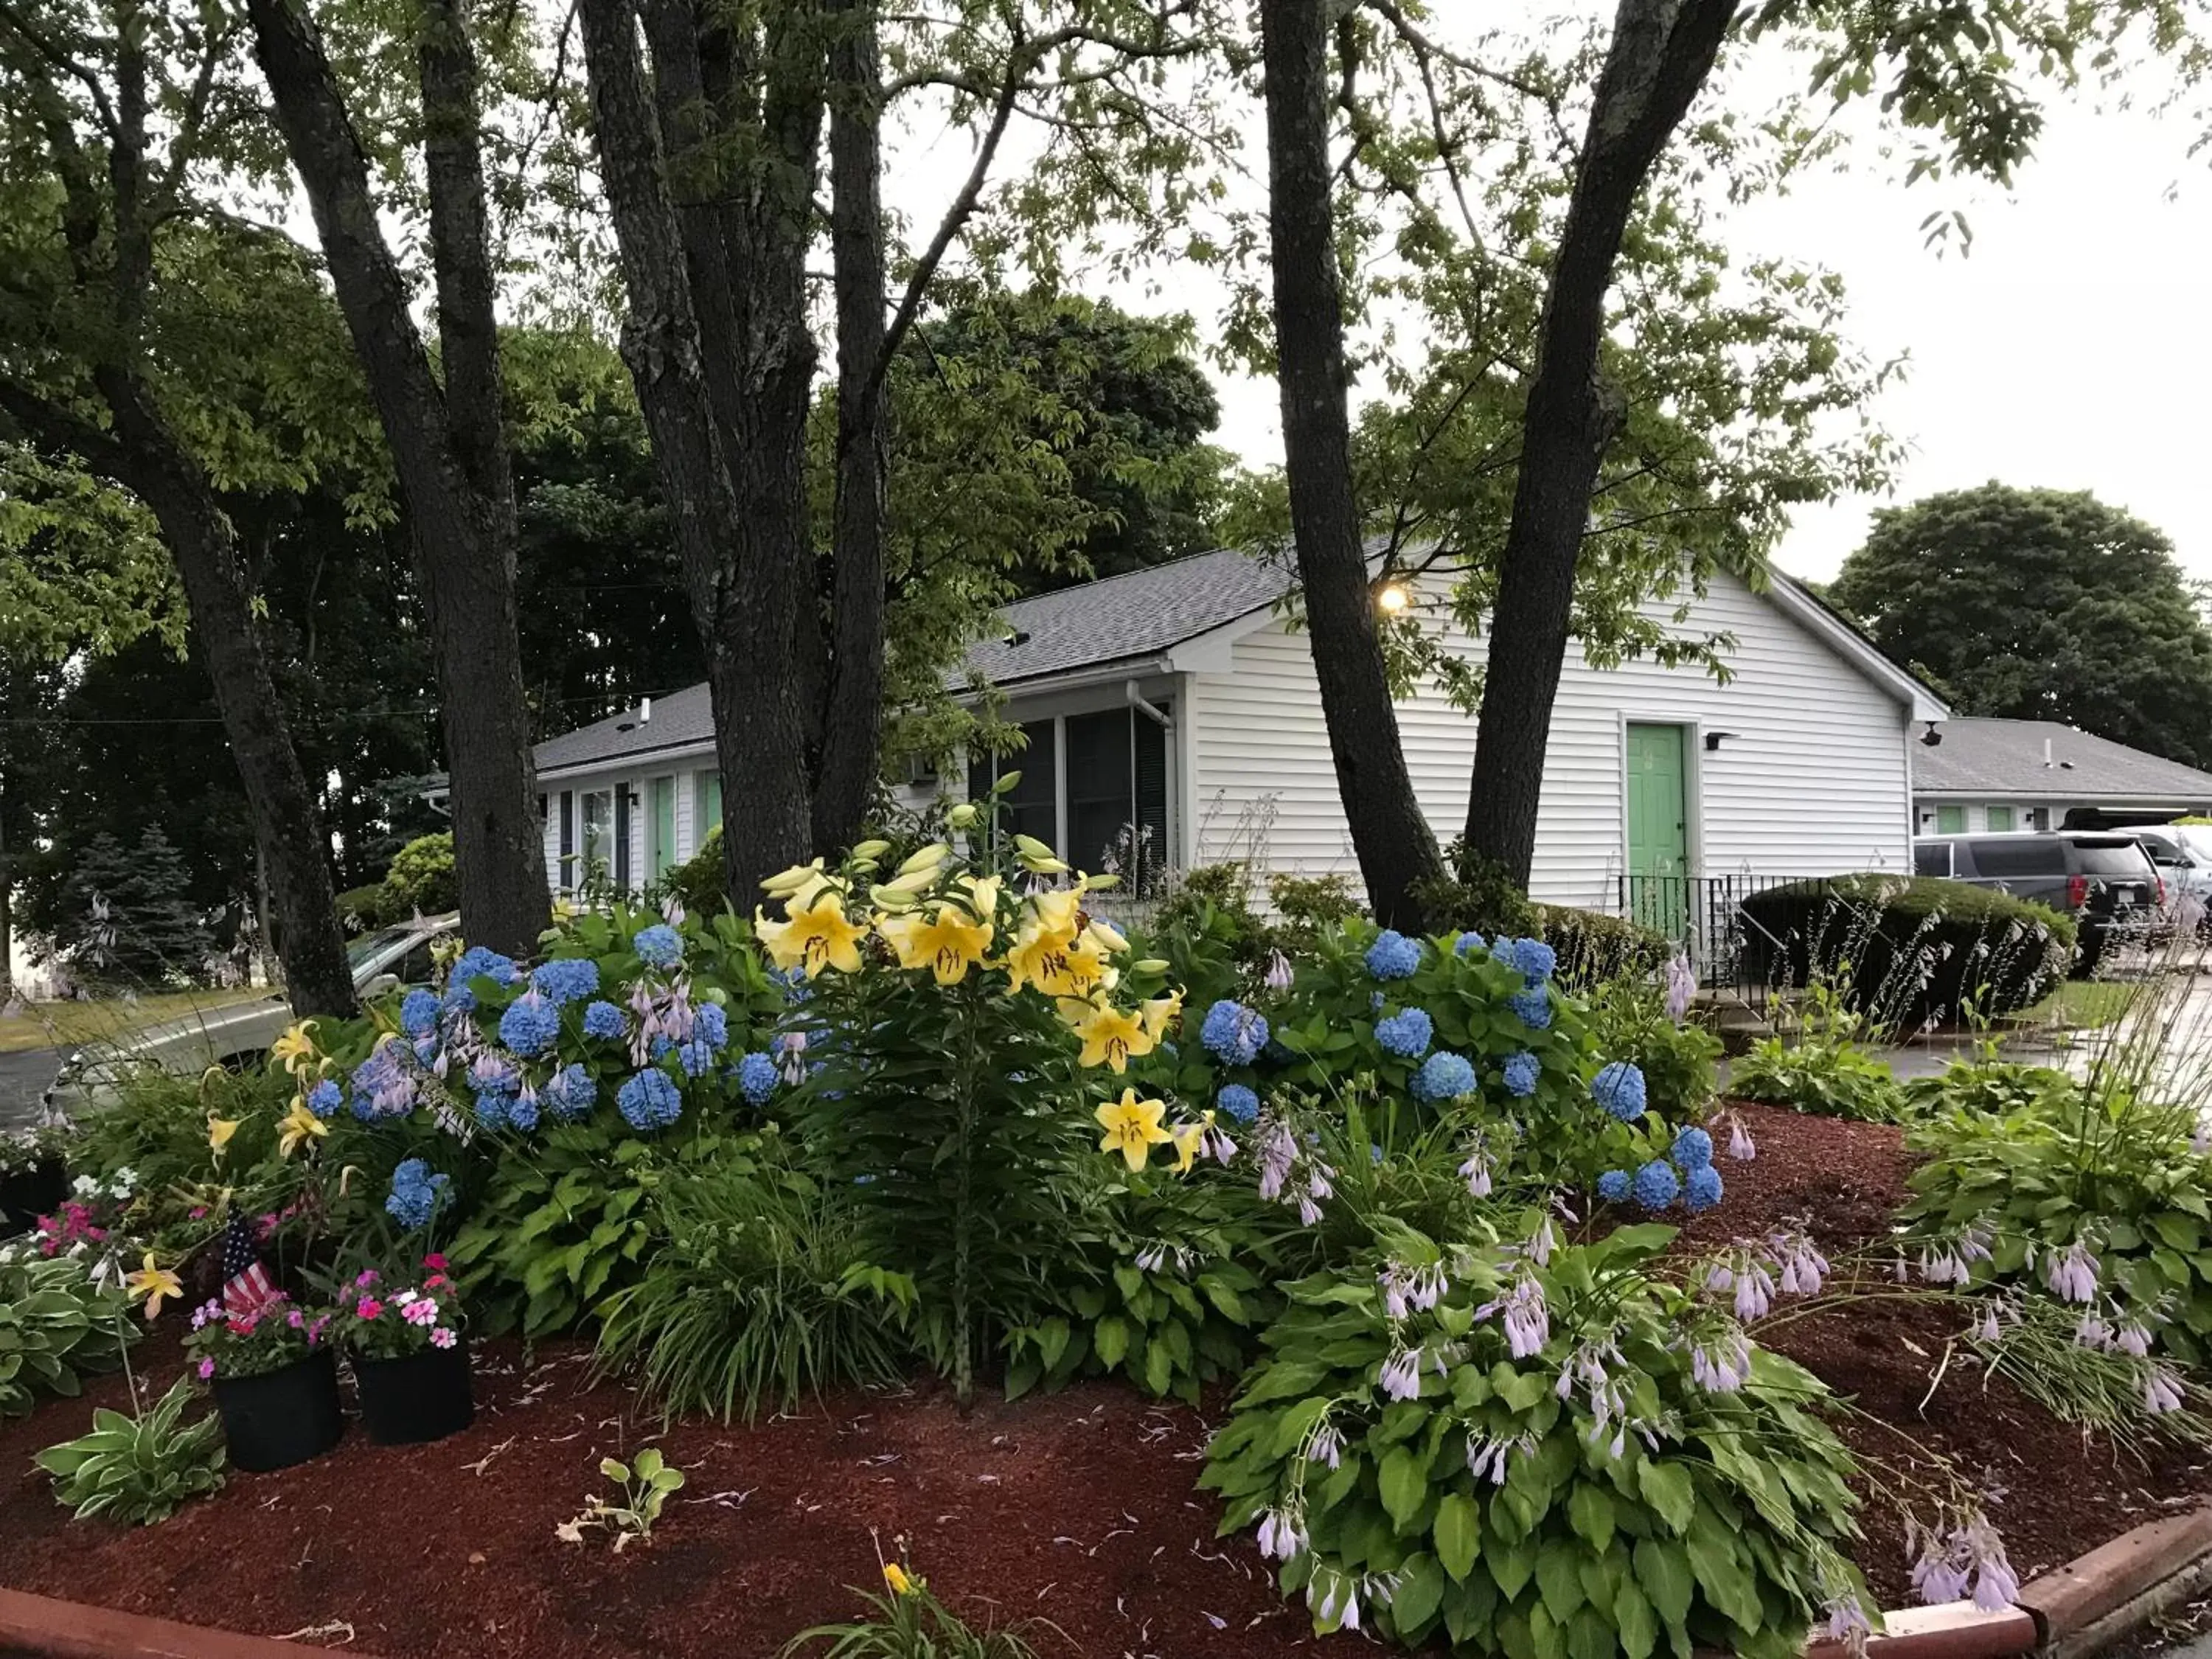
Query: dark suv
pixel 2105 882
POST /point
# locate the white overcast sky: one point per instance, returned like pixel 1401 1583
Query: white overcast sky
pixel 2071 348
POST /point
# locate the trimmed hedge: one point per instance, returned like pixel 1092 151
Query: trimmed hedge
pixel 1594 948
pixel 1905 951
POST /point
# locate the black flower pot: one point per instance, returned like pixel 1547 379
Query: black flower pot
pixel 422 1396
pixel 283 1416
pixel 26 1194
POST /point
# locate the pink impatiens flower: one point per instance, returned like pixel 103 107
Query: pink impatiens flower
pixel 434 1261
pixel 366 1276
pixel 368 1307
pixel 442 1337
pixel 206 1370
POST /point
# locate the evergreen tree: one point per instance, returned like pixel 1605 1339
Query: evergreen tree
pixel 127 919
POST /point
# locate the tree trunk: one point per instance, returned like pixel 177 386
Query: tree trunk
pixel 447 446
pixel 852 701
pixel 1661 52
pixel 287 830
pixel 1393 840
pixel 712 270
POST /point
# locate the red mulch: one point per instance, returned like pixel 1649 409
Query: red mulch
pixel 1078 1508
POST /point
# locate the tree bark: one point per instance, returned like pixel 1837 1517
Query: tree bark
pixel 146 455
pixel 718 346
pixel 1394 845
pixel 448 446
pixel 852 701
pixel 1661 53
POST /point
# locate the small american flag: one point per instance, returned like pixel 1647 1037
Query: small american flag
pixel 247 1286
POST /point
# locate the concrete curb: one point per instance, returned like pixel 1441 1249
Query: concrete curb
pixel 39 1625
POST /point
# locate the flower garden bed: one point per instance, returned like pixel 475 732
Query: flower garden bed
pixel 1078 1507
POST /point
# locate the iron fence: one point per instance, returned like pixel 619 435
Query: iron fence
pixel 1705 916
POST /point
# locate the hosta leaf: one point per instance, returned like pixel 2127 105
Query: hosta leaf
pixel 1403 1479
pixel 1458 1533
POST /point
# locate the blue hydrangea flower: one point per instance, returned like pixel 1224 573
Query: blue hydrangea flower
pixel 325 1099
pixel 382 1087
pixel 1613 1186
pixel 606 1022
pixel 1393 955
pixel 566 979
pixel 1444 1076
pixel 1618 1088
pixel 1405 1035
pixel 572 1093
pixel 661 1047
pixel 659 946
pixel 710 1024
pixel 418 1013
pixel 1692 1149
pixel 1657 1185
pixel 491 1110
pixel 415 1193
pixel 530 1024
pixel 756 1076
pixel 1535 958
pixel 696 1057
pixel 522 1113
pixel 649 1101
pixel 1470 941
pixel 1238 1102
pixel 1521 1073
pixel 1533 1006
pixel 1702 1188
pixel 477 963
pixel 1234 1033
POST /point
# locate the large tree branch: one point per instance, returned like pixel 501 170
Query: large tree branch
pixel 58 427
pixel 12 19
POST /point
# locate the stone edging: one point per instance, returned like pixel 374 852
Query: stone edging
pixel 2068 1614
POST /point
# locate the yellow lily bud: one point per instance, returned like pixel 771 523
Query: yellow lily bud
pixel 792 879
pixel 1150 965
pixel 871 849
pixel 1033 847
pixel 1044 867
pixel 928 858
pixel 920 881
pixel 963 816
pixel 1109 937
pixel 1100 883
pixel 890 901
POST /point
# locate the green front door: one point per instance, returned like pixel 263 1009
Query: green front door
pixel 1658 828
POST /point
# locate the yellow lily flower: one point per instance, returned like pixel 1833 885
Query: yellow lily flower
pixel 818 935
pixel 1113 1036
pixel 154 1285
pixel 1057 912
pixel 298 1126
pixel 980 897
pixel 1131 1126
pixel 1187 1138
pixel 1106 936
pixel 1160 1013
pixel 295 1049
pixel 895 1576
pixel 220 1130
pixel 947 941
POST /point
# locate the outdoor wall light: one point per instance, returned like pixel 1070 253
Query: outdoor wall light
pixel 1715 739
pixel 1393 599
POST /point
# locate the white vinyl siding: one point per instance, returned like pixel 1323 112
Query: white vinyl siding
pixel 1810 777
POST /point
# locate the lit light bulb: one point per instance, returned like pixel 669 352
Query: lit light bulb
pixel 1393 599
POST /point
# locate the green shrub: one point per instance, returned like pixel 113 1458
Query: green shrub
pixel 421 880
pixel 1628 1020
pixel 1478 897
pixel 139 1469
pixel 755 1295
pixel 2073 1166
pixel 56 1325
pixel 1636 1513
pixel 1908 951
pixel 1306 907
pixel 1209 916
pixel 1594 948
pixel 360 908
pixel 1827 1078
pixel 696 883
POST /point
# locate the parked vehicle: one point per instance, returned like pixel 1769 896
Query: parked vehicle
pixel 2182 855
pixel 2104 880
pixel 238 1035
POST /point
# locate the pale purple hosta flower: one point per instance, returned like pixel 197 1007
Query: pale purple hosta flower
pixel 2200 1142
pixel 2094 1331
pixel 1152 1258
pixel 2161 1390
pixel 1309 1212
pixel 1539 1246
pixel 1754 1293
pixel 1723 1366
pixel 1997 1586
pixel 2071 1273
pixel 1847 1623
pixel 646 1008
pixel 1681 982
pixel 1476 1171
pixel 1954 1263
pixel 1526 1320
pixel 2131 1337
pixel 1214 1142
pixel 1341 1602
pixel 1401 1376
pixel 1740 1146
pixel 1988 1330
pixel 795 1058
pixel 671 911
pixel 1326 1445
pixel 1803 1267
pixel 491 1074
pixel 1318 1176
pixel 1279 971
pixel 1278 1155
pixel 1282 1533
pixel 1938 1575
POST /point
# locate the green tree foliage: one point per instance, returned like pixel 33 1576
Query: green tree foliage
pixel 2039 604
pixel 128 919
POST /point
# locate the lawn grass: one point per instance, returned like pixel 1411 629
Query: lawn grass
pixel 66 1024
pixel 2082 1005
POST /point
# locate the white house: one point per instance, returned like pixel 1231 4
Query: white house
pixel 1994 774
pixel 1175 710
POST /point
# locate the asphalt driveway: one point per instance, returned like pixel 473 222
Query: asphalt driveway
pixel 23 1079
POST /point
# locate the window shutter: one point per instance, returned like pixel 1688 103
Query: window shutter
pixel 567 835
pixel 1151 856
pixel 622 837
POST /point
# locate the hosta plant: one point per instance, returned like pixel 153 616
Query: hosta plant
pixel 644 1483
pixel 57 1324
pixel 138 1468
pixel 1537 1449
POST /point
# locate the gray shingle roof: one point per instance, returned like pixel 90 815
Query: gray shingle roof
pixel 1118 619
pixel 2004 758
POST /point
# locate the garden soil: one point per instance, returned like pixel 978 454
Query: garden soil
pixel 1078 1508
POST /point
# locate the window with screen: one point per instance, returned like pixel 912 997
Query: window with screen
pixel 1999 819
pixel 599 833
pixel 1950 820
pixel 1032 807
pixel 660 831
pixel 705 805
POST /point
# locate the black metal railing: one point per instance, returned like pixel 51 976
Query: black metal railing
pixel 1705 916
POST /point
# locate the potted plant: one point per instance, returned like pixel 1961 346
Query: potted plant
pixel 275 1380
pixel 411 1356
pixel 34 1179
